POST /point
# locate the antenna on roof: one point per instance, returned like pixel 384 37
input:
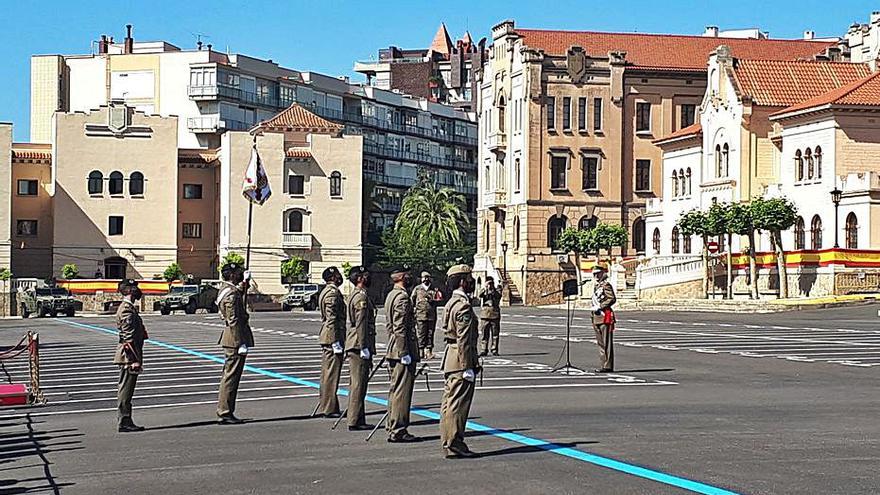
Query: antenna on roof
pixel 199 37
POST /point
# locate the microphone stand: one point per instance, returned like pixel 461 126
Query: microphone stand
pixel 567 368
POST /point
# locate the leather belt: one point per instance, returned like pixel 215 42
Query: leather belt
pixel 451 341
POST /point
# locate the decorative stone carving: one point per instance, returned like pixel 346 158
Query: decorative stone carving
pixel 577 64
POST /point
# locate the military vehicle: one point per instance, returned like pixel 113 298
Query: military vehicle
pixel 189 298
pixel 46 301
pixel 303 296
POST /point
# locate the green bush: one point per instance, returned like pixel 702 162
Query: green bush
pixel 5 274
pixel 172 273
pixel 69 271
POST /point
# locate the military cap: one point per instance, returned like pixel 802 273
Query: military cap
pixel 357 271
pixel 400 270
pixel 426 275
pixel 127 285
pixel 600 267
pixel 459 270
pixel 329 273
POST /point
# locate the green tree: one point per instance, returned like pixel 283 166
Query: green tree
pixel 5 274
pixel 581 242
pixel 716 220
pixel 608 236
pixel 694 223
pixel 346 269
pixel 775 215
pixel 232 257
pixel 172 273
pixel 739 221
pixel 293 269
pixel 69 271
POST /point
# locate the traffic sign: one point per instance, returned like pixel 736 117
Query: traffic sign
pixel 712 246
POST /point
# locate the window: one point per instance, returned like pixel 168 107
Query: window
pixel 296 185
pixel 800 241
pixel 485 235
pixel 554 229
pixel 192 191
pixel 655 241
pixel 725 159
pixel 501 113
pixel 295 221
pixel 799 165
pixel 336 184
pixel 718 168
pixel 582 114
pixel 115 184
pixel 674 184
pixel 817 157
pixel 597 114
pixel 643 116
pixel 26 227
pixel 686 243
pixel 27 187
pixel 816 233
pixel 516 233
pixel 136 184
pixel 115 227
pixel 675 240
pixel 192 230
pixel 566 114
pixel 688 115
pixel 517 175
pixel 852 231
pixel 591 173
pixel 808 164
pixel 587 222
pixel 638 235
pixel 558 165
pixel 643 175
pixel 681 183
pixel 551 113
pixel 96 182
pixel 688 181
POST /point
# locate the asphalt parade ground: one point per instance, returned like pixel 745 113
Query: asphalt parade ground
pixel 699 403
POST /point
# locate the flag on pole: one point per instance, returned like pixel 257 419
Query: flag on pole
pixel 256 183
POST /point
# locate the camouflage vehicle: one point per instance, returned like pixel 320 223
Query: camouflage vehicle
pixel 46 301
pixel 302 296
pixel 189 298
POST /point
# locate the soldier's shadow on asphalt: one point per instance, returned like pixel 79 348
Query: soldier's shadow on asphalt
pixel 28 443
pixel 647 370
pixel 529 449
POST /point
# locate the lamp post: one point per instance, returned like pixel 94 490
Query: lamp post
pixel 835 198
pixel 504 254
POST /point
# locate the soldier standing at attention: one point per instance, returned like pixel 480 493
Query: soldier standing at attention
pixel 236 339
pixel 129 352
pixel 603 318
pixel 402 356
pixel 490 316
pixel 460 362
pixel 331 338
pixel 360 345
pixel 426 315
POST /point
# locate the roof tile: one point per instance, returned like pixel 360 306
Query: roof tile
pixel 784 83
pixel 864 92
pixel 296 117
pixel 691 130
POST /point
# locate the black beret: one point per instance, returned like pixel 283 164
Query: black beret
pixel 329 273
pixel 399 270
pixel 356 272
pixel 127 284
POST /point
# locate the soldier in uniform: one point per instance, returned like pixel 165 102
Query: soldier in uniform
pixel 460 362
pixel 236 339
pixel 603 318
pixel 360 345
pixel 402 356
pixel 426 315
pixel 129 353
pixel 490 316
pixel 331 338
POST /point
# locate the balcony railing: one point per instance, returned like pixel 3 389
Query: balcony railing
pixel 296 240
pixel 418 157
pixel 214 91
pixel 497 141
pixel 495 198
pixel 213 123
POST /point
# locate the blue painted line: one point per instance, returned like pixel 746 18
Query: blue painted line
pixel 597 460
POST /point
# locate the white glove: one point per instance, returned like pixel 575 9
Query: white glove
pixel 594 309
pixel 365 353
pixel 337 348
pixel 406 360
pixel 468 375
pixel 243 349
pixel 247 276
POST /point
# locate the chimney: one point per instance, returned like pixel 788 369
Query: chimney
pixel 199 45
pixel 809 35
pixel 103 45
pixel 711 32
pixel 129 41
pixel 210 46
pixel 875 16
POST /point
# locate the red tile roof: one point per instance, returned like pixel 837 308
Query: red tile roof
pixel 298 153
pixel 862 93
pixel 666 50
pixel 196 155
pixel 785 83
pixel 441 43
pixel 689 131
pixel 296 117
pixel 31 155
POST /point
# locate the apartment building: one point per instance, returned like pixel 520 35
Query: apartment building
pixel 863 40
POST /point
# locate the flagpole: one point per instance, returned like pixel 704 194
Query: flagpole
pixel 247 253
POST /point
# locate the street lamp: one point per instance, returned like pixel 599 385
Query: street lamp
pixel 835 198
pixel 504 254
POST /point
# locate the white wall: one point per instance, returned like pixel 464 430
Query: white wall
pixel 88 83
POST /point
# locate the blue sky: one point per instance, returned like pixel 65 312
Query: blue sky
pixel 328 36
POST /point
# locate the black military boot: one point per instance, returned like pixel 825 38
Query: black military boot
pixel 128 426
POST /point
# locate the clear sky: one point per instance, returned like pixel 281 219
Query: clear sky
pixel 328 36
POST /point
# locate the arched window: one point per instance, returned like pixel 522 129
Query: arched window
pixel 808 162
pixel 682 186
pixel 96 182
pixel 136 184
pixel 800 240
pixel 725 152
pixel 798 165
pixel 335 184
pixel 675 245
pixel 486 235
pixel 554 228
pixel 717 160
pixel 817 157
pixel 587 222
pixel 294 221
pixel 674 184
pixel 686 244
pixel 688 181
pixel 816 233
pixel 501 113
pixel 638 234
pixel 655 241
pixel 517 175
pixel 852 231
pixel 516 233
pixel 115 184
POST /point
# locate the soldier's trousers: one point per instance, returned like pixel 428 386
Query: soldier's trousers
pixel 232 371
pixel 425 332
pixel 331 368
pixel 359 371
pixel 490 328
pixel 403 379
pixel 605 340
pixel 127 382
pixel 458 394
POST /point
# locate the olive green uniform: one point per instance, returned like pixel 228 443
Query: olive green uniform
pixel 426 317
pixel 361 335
pixel 332 306
pixel 603 299
pixel 237 332
pixel 460 333
pixel 490 318
pixel 130 350
pixel 402 342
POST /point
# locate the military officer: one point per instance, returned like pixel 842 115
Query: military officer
pixel 490 316
pixel 402 356
pixel 423 297
pixel 129 352
pixel 360 345
pixel 332 336
pixel 603 318
pixel 460 362
pixel 236 339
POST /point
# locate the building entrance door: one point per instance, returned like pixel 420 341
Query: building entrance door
pixel 115 268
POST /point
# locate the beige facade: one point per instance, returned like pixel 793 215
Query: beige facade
pixel 5 195
pixel 32 219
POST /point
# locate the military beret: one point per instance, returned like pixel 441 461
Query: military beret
pixel 329 272
pixel 459 270
pixel 127 284
pixel 426 275
pixel 356 272
pixel 400 270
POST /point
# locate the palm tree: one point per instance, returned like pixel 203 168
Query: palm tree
pixel 431 216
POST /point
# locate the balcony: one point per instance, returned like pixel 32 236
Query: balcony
pixel 203 93
pixel 212 92
pixel 497 142
pixel 209 124
pixel 296 240
pixel 494 199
